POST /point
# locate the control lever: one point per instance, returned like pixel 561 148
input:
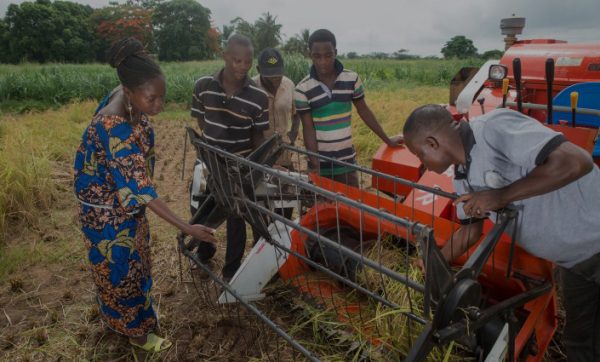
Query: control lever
pixel 517 74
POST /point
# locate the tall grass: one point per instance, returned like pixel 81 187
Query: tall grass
pixel 34 86
pixel 36 153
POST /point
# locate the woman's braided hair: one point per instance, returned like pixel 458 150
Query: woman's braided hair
pixel 134 65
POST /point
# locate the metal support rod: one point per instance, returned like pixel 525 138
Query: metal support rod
pixel 481 100
pixel 549 84
pixel 477 260
pixel 589 111
pixel 517 75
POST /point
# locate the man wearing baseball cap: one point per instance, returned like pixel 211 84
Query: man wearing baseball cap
pixel 282 110
pixel 280 91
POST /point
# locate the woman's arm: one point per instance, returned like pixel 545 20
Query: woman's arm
pixel 197 231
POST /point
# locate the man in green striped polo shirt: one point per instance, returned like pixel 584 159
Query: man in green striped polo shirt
pixel 324 101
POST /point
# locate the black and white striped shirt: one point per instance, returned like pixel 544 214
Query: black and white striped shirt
pixel 229 122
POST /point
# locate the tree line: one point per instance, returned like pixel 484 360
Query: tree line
pixel 175 30
pixel 64 31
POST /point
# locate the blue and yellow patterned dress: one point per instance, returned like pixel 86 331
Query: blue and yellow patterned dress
pixel 113 168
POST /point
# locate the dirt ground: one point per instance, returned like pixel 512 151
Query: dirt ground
pixel 48 311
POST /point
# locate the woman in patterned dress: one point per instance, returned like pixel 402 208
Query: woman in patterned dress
pixel 113 169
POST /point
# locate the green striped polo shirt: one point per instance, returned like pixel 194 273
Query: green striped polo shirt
pixel 331 111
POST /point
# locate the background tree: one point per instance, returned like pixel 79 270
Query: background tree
pixel 226 33
pixel 304 35
pixel 264 32
pixel 45 31
pixel 352 55
pixel 402 54
pixel 4 42
pixel 492 54
pixel 213 41
pixel 243 27
pixel 379 55
pixel 181 29
pixel 459 47
pixel 294 45
pixel 146 4
pixel 267 33
pixel 116 22
pixel 298 44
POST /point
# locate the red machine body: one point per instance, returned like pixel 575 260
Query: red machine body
pixel 574 63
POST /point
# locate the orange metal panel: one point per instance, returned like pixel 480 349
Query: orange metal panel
pixel 581 136
pixel 395 161
pixel 425 201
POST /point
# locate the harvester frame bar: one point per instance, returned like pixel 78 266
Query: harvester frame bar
pixel 378 174
pixel 414 227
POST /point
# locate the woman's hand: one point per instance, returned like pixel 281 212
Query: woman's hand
pixel 201 232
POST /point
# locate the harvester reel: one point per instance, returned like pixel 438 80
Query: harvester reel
pixel 457 297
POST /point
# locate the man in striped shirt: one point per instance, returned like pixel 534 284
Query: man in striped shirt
pixel 232 113
pixel 324 101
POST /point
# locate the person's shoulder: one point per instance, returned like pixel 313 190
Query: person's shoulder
pixel 202 82
pixel 501 118
pixel 305 83
pixel 348 74
pixel 287 81
pixel 287 84
pixel 257 89
pixel 107 121
pixel 256 94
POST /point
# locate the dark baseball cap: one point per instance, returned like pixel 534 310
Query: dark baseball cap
pixel 270 63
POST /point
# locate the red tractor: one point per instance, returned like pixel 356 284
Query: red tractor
pixel 550 80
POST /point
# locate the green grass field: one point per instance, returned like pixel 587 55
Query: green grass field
pixel 37 87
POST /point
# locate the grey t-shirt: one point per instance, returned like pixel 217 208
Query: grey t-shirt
pixel 562 226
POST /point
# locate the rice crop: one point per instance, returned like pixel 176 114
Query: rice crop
pixel 36 153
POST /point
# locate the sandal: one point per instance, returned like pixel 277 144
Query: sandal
pixel 154 343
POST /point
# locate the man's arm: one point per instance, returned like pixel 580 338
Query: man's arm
pixel 564 165
pixel 310 138
pixel 462 240
pixel 260 124
pixel 369 118
pixel 293 133
pixel 258 138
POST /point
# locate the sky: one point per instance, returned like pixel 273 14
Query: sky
pixel 421 26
